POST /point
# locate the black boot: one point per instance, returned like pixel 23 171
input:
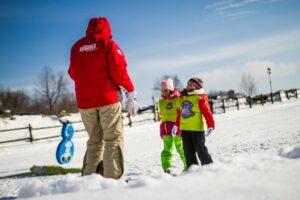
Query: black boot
pixel 100 168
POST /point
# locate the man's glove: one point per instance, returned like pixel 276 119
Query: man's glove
pixel 131 103
pixel 174 130
pixel 209 131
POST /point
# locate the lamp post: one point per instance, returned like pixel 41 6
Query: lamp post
pixel 269 73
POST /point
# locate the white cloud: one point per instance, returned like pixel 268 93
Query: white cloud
pixel 28 89
pixel 234 4
pixel 226 5
pixel 156 46
pixel 229 16
pixel 222 78
pixel 258 68
pixel 260 48
pixel 232 9
pixel 229 77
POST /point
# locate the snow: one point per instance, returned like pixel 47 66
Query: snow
pixel 22 121
pixel 255 152
pixel 291 152
pixel 244 177
pixel 69 183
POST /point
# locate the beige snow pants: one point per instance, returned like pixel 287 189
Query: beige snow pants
pixel 106 140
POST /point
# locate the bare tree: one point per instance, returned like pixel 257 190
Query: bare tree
pixel 2 96
pixel 20 101
pixel 16 101
pixel 67 103
pixel 231 94
pixel 216 93
pixel 36 106
pixel 175 78
pixel 248 85
pixel 51 87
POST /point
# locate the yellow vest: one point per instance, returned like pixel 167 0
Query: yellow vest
pixel 191 118
pixel 168 109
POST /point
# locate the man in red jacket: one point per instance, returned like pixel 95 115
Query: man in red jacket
pixel 99 69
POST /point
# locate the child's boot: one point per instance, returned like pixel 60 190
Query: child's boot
pixel 168 171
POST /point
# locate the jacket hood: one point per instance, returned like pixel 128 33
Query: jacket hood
pixel 197 92
pixel 185 92
pixel 99 27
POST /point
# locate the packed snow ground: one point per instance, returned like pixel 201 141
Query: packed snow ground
pixel 256 156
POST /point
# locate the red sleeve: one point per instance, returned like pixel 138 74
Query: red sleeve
pixel 206 112
pixel 177 123
pixel 118 68
pixel 72 66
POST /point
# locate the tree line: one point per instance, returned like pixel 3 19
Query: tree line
pixel 247 87
pixel 50 96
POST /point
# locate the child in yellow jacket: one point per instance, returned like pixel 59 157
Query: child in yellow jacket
pixel 194 113
pixel 168 106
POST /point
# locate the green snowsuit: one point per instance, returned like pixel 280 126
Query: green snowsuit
pixel 169 109
pixel 167 153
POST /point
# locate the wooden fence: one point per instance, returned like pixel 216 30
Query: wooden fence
pixel 151 112
pixel 221 105
pixel 30 133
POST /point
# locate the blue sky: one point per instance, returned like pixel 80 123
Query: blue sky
pixel 217 40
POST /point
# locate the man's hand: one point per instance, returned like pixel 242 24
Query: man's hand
pixel 131 103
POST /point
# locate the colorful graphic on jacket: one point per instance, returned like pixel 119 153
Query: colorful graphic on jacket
pixel 169 106
pixel 187 109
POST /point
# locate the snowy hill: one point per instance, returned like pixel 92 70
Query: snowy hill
pixel 256 156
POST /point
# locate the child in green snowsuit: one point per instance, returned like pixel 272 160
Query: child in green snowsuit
pixel 168 130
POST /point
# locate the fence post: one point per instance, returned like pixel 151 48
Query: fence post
pixel 261 99
pixel 279 93
pixel 154 109
pixel 237 104
pixel 30 133
pixel 130 121
pixel 272 98
pixel 154 113
pixel 250 101
pixel 297 93
pixel 223 101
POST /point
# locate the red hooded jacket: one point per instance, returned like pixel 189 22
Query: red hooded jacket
pixel 98 67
